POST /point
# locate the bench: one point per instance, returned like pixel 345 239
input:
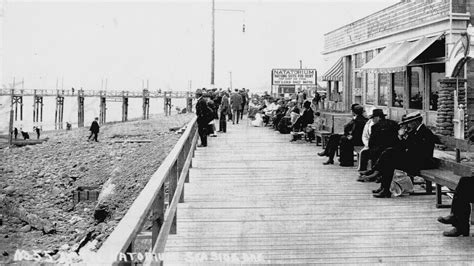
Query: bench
pixel 448 175
pixel 324 134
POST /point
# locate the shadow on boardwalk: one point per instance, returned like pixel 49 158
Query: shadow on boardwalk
pixel 253 192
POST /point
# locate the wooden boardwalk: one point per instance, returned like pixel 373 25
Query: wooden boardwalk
pixel 253 193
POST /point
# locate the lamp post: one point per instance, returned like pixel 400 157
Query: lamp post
pixel 214 36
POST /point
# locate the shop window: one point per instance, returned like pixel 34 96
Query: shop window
pixel 383 89
pixel 398 89
pixel 416 88
pixel 437 72
pixel 370 88
pixel 358 60
pixel 369 55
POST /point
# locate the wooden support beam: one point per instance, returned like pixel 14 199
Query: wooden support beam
pixel 103 110
pixel 80 108
pixel 124 109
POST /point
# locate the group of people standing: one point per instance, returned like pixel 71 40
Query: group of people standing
pixel 25 134
pixel 219 105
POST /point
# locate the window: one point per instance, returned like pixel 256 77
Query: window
pixel 383 89
pixel 398 89
pixel 369 55
pixel 416 88
pixel 370 88
pixel 358 81
pixel 379 50
pixel 358 60
pixel 437 72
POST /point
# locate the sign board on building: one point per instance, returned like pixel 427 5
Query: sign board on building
pixel 294 76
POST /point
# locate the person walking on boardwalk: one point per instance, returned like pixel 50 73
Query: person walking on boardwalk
pixel 224 109
pixel 244 96
pixel 94 129
pixel 204 116
pixel 236 104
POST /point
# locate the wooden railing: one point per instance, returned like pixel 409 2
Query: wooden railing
pixel 174 171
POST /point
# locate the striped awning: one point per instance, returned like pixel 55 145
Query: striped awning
pixel 397 56
pixel 335 72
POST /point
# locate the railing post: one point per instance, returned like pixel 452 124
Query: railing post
pixel 173 182
pixel 158 214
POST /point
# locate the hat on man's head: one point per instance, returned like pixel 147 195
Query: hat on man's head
pixel 353 106
pixel 411 117
pixel 377 113
pixel 358 109
pixel 199 92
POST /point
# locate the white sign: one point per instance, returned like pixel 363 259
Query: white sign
pixel 294 77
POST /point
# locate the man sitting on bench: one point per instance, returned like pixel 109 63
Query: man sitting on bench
pixel 413 153
pixel 352 137
pixel 460 207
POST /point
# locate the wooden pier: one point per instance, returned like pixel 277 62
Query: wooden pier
pixel 18 95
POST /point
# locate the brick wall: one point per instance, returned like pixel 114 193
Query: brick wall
pixel 403 15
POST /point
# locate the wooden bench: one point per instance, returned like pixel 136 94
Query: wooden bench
pixel 357 150
pixel 324 134
pixel 448 175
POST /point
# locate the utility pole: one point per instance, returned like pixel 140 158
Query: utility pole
pixel 213 42
pixel 230 73
pixel 214 35
pixel 10 125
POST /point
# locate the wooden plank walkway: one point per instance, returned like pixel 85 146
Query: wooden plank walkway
pixel 252 192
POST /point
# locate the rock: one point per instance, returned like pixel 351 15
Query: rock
pixel 64 247
pixel 9 190
pixel 3 229
pixel 82 168
pixel 25 228
pixel 48 229
pixel 74 219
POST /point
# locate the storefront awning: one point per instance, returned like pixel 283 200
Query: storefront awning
pixel 396 57
pixel 335 72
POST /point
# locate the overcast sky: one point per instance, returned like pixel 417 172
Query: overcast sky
pixel 167 42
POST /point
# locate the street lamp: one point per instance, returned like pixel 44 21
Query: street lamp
pixel 214 33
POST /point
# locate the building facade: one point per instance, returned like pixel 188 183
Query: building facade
pixel 400 58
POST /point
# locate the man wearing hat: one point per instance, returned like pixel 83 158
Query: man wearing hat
pixel 383 135
pixel 461 207
pixel 352 137
pixel 413 152
pixel 204 116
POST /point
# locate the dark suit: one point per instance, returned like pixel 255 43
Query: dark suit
pixel 94 130
pixel 410 155
pixel 236 104
pixel 204 116
pixel 461 207
pixel 384 134
pixel 354 128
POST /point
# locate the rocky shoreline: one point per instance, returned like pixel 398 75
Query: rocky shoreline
pixel 37 208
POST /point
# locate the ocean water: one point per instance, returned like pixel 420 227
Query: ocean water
pixel 91 110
